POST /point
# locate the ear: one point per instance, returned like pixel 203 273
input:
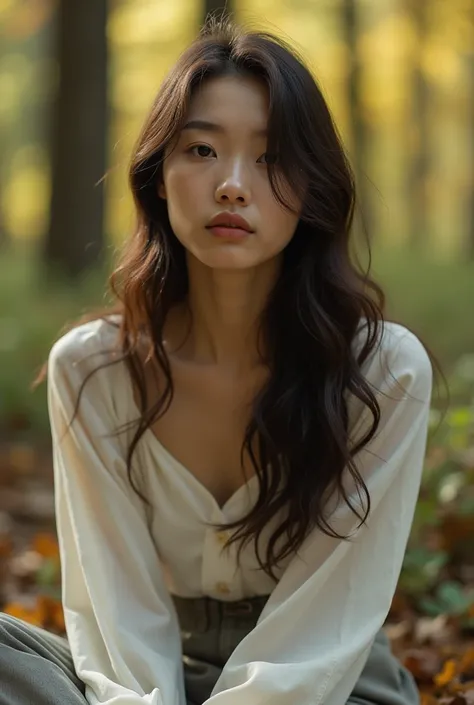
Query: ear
pixel 162 191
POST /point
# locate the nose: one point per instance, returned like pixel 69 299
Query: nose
pixel 234 187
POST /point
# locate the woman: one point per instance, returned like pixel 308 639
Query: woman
pixel 256 517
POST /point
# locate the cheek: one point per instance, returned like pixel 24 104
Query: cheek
pixel 281 223
pixel 182 193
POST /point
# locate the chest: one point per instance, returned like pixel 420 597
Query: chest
pixel 204 426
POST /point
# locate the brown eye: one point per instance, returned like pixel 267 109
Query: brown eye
pixel 202 147
pixel 269 158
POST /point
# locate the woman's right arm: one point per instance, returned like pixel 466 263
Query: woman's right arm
pixel 120 620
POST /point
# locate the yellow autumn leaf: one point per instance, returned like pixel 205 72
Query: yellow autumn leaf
pixel 46 545
pixel 447 674
pixel 32 616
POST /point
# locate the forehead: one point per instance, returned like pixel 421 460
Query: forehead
pixel 230 101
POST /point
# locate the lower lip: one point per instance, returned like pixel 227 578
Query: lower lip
pixel 229 233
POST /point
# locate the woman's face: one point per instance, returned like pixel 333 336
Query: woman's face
pixel 218 165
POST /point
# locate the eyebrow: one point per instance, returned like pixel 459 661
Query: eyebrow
pixel 207 126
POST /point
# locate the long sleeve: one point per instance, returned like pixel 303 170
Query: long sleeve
pixel 315 633
pixel 120 620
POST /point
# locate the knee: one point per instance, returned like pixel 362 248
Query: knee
pixel 9 627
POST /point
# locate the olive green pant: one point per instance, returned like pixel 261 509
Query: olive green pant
pixel 36 667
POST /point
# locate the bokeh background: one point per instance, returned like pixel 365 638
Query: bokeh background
pixel 76 80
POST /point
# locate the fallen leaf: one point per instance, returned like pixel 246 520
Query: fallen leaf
pixel 20 611
pixel 450 670
pixel 46 545
pixel 424 664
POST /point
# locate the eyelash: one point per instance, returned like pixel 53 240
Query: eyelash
pixel 196 146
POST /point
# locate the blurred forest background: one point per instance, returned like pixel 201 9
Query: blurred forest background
pixel 76 80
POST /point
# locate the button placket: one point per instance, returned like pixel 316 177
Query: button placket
pixel 218 565
pixel 222 537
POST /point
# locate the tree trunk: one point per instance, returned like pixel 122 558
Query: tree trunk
pixel 76 237
pixel 420 163
pixel 359 130
pixel 470 89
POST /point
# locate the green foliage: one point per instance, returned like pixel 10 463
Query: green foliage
pixel 421 570
pixel 451 598
pixel 433 298
pixel 49 573
pixel 32 314
pixel 442 539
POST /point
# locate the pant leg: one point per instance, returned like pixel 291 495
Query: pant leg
pixel 384 679
pixel 36 667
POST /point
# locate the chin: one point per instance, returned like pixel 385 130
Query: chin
pixel 228 260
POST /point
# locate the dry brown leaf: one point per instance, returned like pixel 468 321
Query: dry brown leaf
pixel 424 664
pixel 427 699
pixel 436 631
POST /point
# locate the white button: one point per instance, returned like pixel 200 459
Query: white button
pixel 222 588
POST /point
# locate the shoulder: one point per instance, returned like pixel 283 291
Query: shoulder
pixel 398 355
pixel 87 391
pixel 85 342
pixel 86 351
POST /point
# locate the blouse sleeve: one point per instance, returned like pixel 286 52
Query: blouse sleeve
pixel 317 628
pixel 121 625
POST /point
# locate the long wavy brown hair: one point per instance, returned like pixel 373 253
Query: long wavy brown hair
pixel 312 315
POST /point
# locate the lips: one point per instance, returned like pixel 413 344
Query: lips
pixel 230 220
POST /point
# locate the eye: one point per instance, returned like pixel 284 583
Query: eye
pixel 269 158
pixel 202 147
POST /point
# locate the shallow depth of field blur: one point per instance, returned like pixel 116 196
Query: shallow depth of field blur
pixel 76 80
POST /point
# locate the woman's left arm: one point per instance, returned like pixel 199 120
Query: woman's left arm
pixel 318 626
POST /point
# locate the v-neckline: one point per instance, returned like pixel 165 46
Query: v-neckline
pixel 153 439
pixel 189 474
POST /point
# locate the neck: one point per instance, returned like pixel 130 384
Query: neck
pixel 219 325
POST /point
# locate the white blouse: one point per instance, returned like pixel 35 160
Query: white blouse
pixel 121 562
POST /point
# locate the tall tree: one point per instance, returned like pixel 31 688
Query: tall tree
pixel 350 15
pixel 471 99
pixel 418 171
pixel 75 238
